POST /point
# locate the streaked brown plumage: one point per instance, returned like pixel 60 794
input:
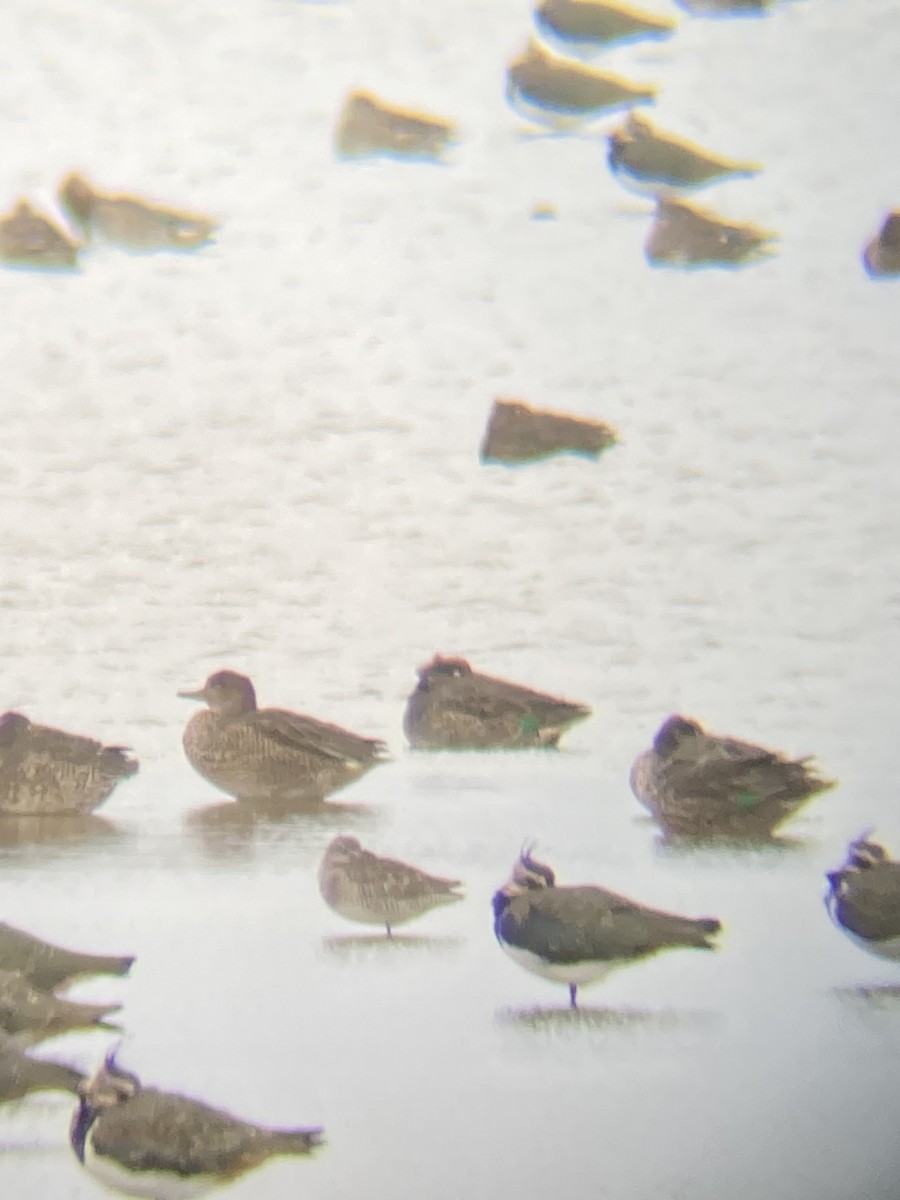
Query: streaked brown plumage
pixel 687 235
pixel 45 771
pixel 20 1074
pixel 29 239
pixel 516 432
pixel 368 125
pixel 147 1142
pixel 362 886
pixel 864 898
pixel 649 159
pixel 270 754
pixel 456 708
pixel 131 222
pixel 48 966
pixel 559 92
pixel 599 22
pixel 699 783
pixel 30 1014
pixel 882 254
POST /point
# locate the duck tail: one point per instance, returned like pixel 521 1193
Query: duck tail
pixel 296 1141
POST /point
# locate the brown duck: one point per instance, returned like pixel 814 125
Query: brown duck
pixel 20 1074
pixel 270 754
pixel 48 966
pixel 31 1015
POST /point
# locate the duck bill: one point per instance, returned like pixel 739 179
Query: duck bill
pixel 199 694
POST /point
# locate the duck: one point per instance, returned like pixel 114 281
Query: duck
pixel 30 239
pixel 160 1145
pixel 557 91
pixel 726 8
pixel 31 1015
pixel 50 967
pixel 517 432
pixel 454 707
pixel 20 1074
pixel 647 159
pixel 593 24
pixel 700 783
pixel 863 898
pixel 270 754
pixel 129 221
pixel 686 235
pixel 46 771
pixel 882 254
pixel 370 126
pixel 362 886
pixel 577 935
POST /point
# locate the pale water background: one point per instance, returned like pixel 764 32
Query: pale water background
pixel 264 456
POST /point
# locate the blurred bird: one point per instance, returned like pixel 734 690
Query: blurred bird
pixel 578 935
pixel 456 708
pixel 48 966
pixel 588 25
pixel 517 432
pixel 270 754
pixel 726 8
pixel 29 239
pixel 649 160
pixel 361 886
pixel 864 898
pixel 163 1146
pixel 31 1015
pixel 131 222
pixel 686 235
pixel 368 126
pixel 882 254
pixel 20 1074
pixel 562 93
pixel 45 771
pixel 695 782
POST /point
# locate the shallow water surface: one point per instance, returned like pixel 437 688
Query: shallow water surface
pixel 264 456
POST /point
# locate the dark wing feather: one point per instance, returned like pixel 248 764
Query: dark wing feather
pixel 311 736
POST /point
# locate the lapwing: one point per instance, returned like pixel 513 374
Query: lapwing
pixel 864 898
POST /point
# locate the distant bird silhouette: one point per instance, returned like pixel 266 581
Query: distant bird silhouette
pixel 578 935
pixel 699 783
pixel 20 1074
pixel 29 239
pixel 45 771
pixel 270 754
pixel 556 91
pixel 164 1146
pixel 864 898
pixel 370 126
pixel 686 235
pixel 593 24
pixel 646 159
pixel 362 886
pixel 456 708
pixel 882 254
pixel 726 8
pixel 131 222
pixel 48 966
pixel 31 1015
pixel 516 432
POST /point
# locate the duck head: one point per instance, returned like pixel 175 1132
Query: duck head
pixel 11 725
pixel 227 693
pixel 674 732
pixel 440 669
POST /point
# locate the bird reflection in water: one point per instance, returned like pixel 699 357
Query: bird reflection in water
pixel 77 829
pixel 361 947
pixel 234 829
pixel 540 1019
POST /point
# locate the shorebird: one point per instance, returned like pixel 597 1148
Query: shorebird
pixel 164 1146
pixel 517 432
pixel 20 1074
pixel 686 235
pixel 649 160
pixel 31 1015
pixel 362 886
pixel 592 24
pixel 578 935
pixel 556 91
pixel 131 222
pixel 29 239
pixel 456 708
pixel 864 898
pixel 882 254
pixel 270 754
pixel 45 771
pixel 48 966
pixel 368 125
pixel 696 782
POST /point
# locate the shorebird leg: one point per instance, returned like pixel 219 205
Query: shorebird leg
pixel 573 989
pixel 388 928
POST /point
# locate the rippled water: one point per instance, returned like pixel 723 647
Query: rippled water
pixel 264 456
